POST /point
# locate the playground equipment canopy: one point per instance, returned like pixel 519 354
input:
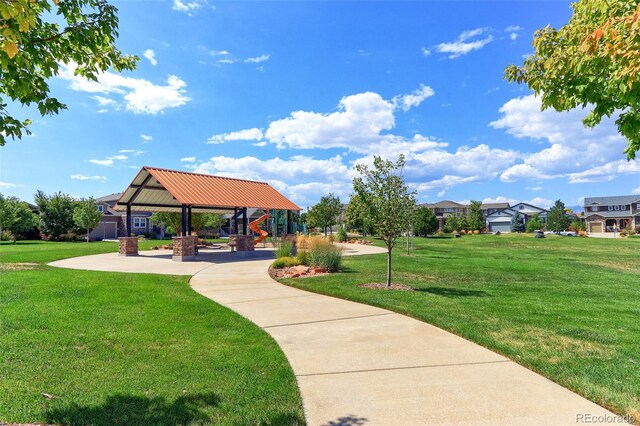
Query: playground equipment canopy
pixel 162 190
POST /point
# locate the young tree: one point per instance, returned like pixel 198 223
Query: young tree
pixel 325 213
pixel 452 223
pixel 15 216
pixel 357 217
pixel 517 223
pixel 556 219
pixel 476 218
pixel 424 222
pixel 593 60
pixel 56 213
pixel 578 225
pixel 535 223
pixel 40 35
pixel 86 215
pixel 388 202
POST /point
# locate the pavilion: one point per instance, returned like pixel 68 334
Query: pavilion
pixel 161 190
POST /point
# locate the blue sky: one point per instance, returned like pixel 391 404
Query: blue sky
pixel 296 93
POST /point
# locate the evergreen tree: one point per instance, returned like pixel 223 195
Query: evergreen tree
pixel 557 221
pixel 517 223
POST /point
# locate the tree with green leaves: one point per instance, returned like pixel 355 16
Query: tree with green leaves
pixel 56 213
pixel 452 223
pixel 86 215
pixel 15 216
pixel 424 222
pixel 557 220
pixel 387 200
pixel 357 217
pixel 172 219
pixel 517 223
pixel 594 60
pixel 535 223
pixel 200 221
pixel 38 36
pixel 578 225
pixel 475 220
pixel 325 213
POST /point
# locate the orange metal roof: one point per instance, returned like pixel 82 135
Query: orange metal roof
pixel 171 188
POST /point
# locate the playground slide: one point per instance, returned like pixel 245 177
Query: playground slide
pixel 254 227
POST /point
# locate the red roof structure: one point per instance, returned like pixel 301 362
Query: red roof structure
pixel 155 189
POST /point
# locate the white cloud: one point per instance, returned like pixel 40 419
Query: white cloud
pixel 240 135
pixel 103 101
pixel 413 99
pixel 636 190
pixel 188 160
pixel 219 53
pixel 442 193
pixel 462 45
pixel 146 138
pixel 534 188
pixel 151 56
pixel 188 7
pixel 140 96
pixel 513 36
pixel 260 144
pixel 606 172
pixel 118 157
pixel 134 152
pixel 8 185
pixel 107 162
pixel 425 51
pixel 85 177
pixel 513 28
pixel 226 61
pixel 258 59
pixel 572 147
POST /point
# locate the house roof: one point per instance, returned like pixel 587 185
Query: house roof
pixel 494 206
pixel 110 197
pixel 444 204
pixel 155 189
pixel 613 200
pixel 616 214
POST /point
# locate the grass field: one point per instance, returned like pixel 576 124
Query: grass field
pixel 568 308
pixel 132 349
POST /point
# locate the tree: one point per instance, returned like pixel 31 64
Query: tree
pixel 56 213
pixel 535 223
pixel 357 217
pixel 475 219
pixel 173 220
pixel 578 225
pixel 86 215
pixel 15 216
pixel 517 223
pixel 388 203
pixel 424 222
pixel 452 223
pixel 592 60
pixel 200 221
pixel 556 219
pixel 325 213
pixel 38 36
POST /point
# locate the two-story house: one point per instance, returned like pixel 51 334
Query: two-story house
pixel 610 214
pixel 446 208
pixel 500 220
pixel 112 225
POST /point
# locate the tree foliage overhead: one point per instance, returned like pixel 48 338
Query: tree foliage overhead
pixel 86 215
pixel 592 60
pixel 325 213
pixel 36 36
pixel 387 201
pixel 557 220
pixel 425 222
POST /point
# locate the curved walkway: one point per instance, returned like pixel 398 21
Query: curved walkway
pixel 360 365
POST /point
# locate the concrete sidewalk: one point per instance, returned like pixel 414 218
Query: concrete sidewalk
pixel 357 364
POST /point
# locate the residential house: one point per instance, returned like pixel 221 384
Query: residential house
pixel 490 208
pixel 446 208
pixel 113 223
pixel 500 220
pixel 610 214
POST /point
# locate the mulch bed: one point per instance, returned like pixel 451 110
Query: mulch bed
pixel 383 286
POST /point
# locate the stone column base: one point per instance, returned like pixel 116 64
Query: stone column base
pixel 128 246
pixel 184 248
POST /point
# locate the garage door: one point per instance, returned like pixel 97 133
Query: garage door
pixel 500 226
pixel 595 227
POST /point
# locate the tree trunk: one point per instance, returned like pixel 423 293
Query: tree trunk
pixel 88 234
pixel 389 267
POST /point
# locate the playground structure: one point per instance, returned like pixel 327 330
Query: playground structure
pixel 255 228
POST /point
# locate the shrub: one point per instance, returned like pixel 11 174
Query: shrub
pixel 341 236
pixel 463 232
pixel 284 249
pixel 324 254
pixel 476 232
pixel 440 234
pixel 285 262
pixel 6 236
pixel 304 257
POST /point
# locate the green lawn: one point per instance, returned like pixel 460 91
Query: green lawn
pixel 129 349
pixel 568 308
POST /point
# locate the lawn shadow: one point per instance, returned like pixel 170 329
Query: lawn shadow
pixel 453 292
pixel 137 410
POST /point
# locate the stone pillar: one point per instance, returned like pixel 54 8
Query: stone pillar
pixel 128 246
pixel 184 248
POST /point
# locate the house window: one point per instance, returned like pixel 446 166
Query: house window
pixel 609 208
pixel 139 222
pixel 521 207
pixel 101 208
pixel 623 207
pixel 448 209
pixel 594 208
